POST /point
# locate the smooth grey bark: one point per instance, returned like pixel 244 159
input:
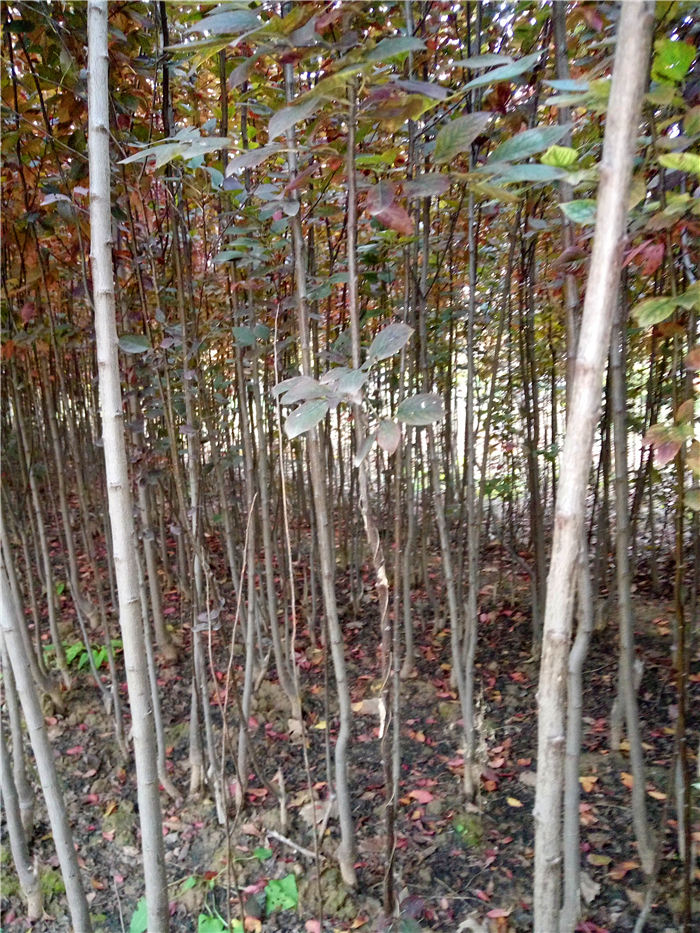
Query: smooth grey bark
pixel 25 791
pixel 118 489
pixel 44 758
pixel 628 687
pixel 371 530
pixel 326 546
pixel 571 906
pixel 26 872
pixel 629 78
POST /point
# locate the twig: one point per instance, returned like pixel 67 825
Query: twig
pixel 280 838
pixel 119 904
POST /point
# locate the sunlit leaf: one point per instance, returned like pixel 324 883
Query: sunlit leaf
pixel 389 341
pixel 419 410
pixel 388 436
pixel 305 417
pixel 350 384
pixel 302 389
pixel 582 211
pixel 559 156
pixel 672 59
pixel 653 310
pixel 681 161
pixel 458 135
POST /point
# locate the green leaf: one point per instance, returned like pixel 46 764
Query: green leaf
pixel 389 341
pixel 505 73
pixel 134 343
pixel 559 156
pixel 458 135
pixel 388 436
pixel 301 389
pixel 395 45
pixel 422 409
pixel 261 853
pixel 672 59
pixel 207 924
pixel 305 417
pixel 188 883
pixel 692 501
pixel 230 22
pixel 72 651
pixel 244 336
pixel 139 919
pixel 250 158
pixel 567 84
pixel 99 656
pixel 529 142
pixel 690 298
pixel 284 119
pixel 483 61
pixel 350 384
pixel 282 894
pixel 530 171
pixel 653 310
pixel 681 161
pixel 582 211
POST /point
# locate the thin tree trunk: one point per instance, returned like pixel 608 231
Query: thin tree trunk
pixel 118 489
pixel 629 78
pixel 44 759
pixel 628 688
pixel 26 872
pixel 326 546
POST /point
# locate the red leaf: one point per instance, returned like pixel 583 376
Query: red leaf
pixel 76 750
pixel 396 218
pixel 422 796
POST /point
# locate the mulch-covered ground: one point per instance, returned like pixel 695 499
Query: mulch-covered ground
pixel 458 867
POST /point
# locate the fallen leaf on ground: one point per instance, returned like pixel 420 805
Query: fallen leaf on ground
pixel 590 889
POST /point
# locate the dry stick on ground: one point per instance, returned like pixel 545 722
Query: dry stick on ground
pixel 629 78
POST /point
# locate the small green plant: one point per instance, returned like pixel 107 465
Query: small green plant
pixel 139 919
pixel 281 894
pixel 78 652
